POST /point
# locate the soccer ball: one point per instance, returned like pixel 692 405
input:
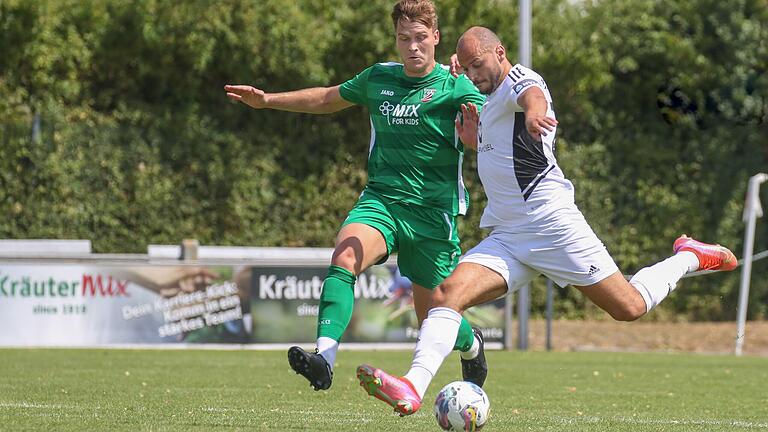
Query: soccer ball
pixel 462 406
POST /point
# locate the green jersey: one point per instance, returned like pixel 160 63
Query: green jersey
pixel 414 155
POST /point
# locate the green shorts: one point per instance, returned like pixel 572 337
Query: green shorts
pixel 427 240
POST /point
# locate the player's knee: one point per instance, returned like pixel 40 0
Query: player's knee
pixel 346 258
pixel 629 311
pixel 439 296
pixel 445 295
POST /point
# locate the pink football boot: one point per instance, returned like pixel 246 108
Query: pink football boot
pixel 711 257
pixel 398 392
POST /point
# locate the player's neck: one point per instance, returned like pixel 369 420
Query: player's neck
pixel 427 70
pixel 506 66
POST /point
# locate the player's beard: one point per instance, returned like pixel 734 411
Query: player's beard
pixel 495 78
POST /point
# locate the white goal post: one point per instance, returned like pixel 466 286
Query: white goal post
pixel 752 211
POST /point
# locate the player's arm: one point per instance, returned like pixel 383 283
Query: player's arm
pixel 470 103
pixel 467 124
pixel 534 105
pixel 316 100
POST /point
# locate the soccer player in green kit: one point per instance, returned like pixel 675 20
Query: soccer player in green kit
pixel 415 189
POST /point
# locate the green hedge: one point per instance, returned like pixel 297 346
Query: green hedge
pixel 662 109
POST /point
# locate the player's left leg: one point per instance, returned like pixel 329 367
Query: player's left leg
pixel 617 297
pixel 569 252
pixel 358 246
pixel 629 300
pixel 365 238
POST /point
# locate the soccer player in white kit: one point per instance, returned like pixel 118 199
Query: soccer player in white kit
pixel 535 225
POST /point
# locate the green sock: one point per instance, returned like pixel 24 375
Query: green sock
pixel 336 303
pixel 465 337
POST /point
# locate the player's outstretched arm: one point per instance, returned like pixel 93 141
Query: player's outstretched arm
pixel 466 126
pixel 534 104
pixel 316 100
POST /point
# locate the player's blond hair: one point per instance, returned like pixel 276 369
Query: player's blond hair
pixel 421 11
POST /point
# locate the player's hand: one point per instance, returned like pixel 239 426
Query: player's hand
pixel 456 68
pixel 467 129
pixel 248 95
pixel 539 126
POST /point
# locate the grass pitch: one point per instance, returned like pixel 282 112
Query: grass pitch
pixel 189 390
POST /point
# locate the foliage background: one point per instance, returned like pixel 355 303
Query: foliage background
pixel 114 126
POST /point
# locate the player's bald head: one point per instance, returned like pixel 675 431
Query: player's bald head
pixel 483 57
pixel 478 39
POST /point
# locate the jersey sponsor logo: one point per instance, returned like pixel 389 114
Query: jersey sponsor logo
pixel 400 114
pixel 428 93
pixel 480 146
pixel 523 84
pixel 386 92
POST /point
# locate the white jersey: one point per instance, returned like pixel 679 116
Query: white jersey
pixel 520 175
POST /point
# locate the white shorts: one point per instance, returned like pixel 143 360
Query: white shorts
pixel 565 250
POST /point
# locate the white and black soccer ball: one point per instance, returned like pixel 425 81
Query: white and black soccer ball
pixel 462 406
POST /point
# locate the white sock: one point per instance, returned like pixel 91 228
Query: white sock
pixel 656 282
pixel 437 337
pixel 327 348
pixel 691 258
pixel 473 351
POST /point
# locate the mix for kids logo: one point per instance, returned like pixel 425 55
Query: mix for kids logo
pixel 400 114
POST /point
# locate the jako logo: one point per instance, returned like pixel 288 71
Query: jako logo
pixel 400 114
pixel 388 92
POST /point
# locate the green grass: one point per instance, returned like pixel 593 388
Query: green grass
pixel 188 390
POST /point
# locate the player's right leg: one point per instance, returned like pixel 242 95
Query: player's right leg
pixel 469 341
pixel 428 244
pixel 484 274
pixel 469 284
pixel 358 246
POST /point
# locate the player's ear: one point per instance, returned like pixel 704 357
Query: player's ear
pixel 501 52
pixel 437 36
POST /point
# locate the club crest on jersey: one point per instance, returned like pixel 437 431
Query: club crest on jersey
pixel 428 93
